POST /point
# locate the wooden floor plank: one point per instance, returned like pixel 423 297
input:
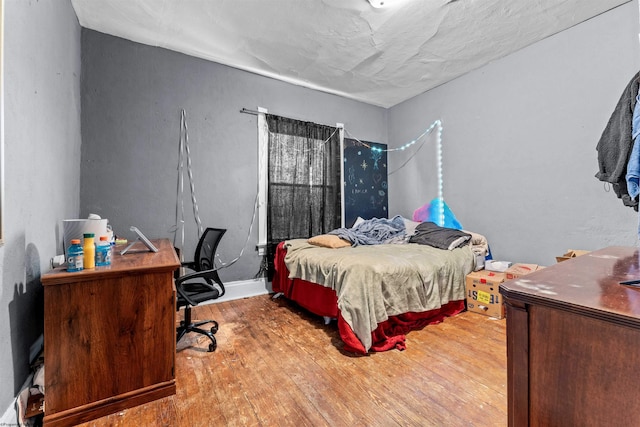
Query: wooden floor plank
pixel 278 365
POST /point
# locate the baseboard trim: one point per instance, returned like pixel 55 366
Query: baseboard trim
pixel 245 289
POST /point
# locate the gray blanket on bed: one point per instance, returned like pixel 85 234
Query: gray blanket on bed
pixel 374 282
pixel 374 231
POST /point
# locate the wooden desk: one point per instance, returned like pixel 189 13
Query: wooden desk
pixel 573 342
pixel 109 335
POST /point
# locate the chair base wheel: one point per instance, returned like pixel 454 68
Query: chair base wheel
pixel 194 327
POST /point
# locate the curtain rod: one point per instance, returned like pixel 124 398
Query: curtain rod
pixel 256 112
pixel 247 111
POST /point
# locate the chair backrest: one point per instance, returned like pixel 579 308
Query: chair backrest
pixel 204 258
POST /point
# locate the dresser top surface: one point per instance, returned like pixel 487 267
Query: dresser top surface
pixel 590 282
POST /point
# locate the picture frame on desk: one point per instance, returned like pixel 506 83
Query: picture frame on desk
pixel 141 237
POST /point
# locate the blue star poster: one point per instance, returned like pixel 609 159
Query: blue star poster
pixel 365 180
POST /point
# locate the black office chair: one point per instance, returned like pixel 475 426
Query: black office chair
pixel 203 284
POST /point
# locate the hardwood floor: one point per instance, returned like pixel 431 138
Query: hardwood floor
pixel 278 365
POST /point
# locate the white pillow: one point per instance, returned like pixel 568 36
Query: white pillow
pixel 358 221
pixel 410 226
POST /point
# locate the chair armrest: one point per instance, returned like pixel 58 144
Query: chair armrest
pixel 205 274
pixel 209 276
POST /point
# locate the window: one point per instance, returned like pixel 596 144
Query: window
pixel 300 191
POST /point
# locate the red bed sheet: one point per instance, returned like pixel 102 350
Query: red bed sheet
pixel 323 301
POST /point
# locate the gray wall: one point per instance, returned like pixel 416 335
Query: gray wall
pixel 42 167
pixel 519 143
pixel 132 95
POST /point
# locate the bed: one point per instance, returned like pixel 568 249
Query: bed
pixel 379 292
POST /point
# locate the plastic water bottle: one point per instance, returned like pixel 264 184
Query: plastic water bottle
pixel 103 252
pixel 89 248
pixel 75 256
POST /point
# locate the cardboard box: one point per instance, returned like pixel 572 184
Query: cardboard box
pixel 517 270
pixel 571 253
pixel 483 294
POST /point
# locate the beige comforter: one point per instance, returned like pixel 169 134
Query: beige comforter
pixel 374 282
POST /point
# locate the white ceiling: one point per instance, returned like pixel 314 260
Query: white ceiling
pixel 381 56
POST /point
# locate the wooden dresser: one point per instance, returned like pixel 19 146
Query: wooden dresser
pixel 573 342
pixel 109 335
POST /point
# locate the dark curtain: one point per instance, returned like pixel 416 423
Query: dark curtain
pixel 304 180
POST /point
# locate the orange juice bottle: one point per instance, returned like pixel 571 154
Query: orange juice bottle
pixel 89 248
